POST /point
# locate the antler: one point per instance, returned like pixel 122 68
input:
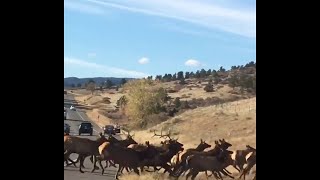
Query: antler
pixel 165 136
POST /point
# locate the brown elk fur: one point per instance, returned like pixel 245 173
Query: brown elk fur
pixel 251 161
pixel 198 163
pixel 82 146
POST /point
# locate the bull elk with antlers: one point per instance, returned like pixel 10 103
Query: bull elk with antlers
pixel 169 148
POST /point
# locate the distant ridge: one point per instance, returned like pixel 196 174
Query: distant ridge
pixel 74 80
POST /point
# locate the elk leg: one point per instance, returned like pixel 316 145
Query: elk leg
pixel 117 174
pixel 81 156
pixel 141 168
pixel 241 168
pixel 243 174
pixel 66 155
pixel 71 162
pixel 122 168
pixel 128 169
pixel 225 173
pixel 112 163
pixel 215 175
pixel 100 164
pixel 167 168
pixel 219 174
pixel 78 159
pixel 135 169
pixel 246 170
pixel 235 166
pixel 206 172
pixel 179 171
pixel 155 168
pixel 189 174
pixel 106 166
pixel 94 164
pixel 67 158
pixel 184 169
pixel 81 164
pixel 91 159
pixel 194 174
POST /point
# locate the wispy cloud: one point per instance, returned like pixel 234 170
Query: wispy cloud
pixel 92 55
pixel 213 14
pixel 192 63
pixel 109 71
pixel 144 60
pixel 82 7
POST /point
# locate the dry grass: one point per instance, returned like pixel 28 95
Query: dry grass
pixel 211 123
pixel 235 122
pixel 200 93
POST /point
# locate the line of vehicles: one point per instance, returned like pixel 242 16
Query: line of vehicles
pixel 87 127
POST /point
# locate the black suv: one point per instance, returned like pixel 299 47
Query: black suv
pixel 85 127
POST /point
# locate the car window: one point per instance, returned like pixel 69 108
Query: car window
pixel 85 124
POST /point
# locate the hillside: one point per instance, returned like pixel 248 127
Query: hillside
pixel 98 80
pixel 228 111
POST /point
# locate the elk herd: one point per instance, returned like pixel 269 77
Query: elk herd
pixel 169 155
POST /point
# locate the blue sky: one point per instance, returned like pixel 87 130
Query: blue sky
pixel 137 38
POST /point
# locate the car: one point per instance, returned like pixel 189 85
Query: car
pixel 109 130
pixel 85 127
pixel 66 128
pixel 72 108
pixel 65 113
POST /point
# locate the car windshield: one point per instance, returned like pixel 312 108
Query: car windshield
pixel 86 124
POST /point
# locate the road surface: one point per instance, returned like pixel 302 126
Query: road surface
pixel 74 119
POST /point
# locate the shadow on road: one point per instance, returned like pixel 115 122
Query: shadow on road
pixel 75 120
pixel 108 173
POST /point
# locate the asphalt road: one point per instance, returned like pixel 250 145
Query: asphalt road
pixel 74 119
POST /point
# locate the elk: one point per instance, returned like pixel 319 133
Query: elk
pixel 201 147
pixel 172 147
pixel 123 156
pixel 251 161
pixel 152 150
pixel 124 143
pixel 240 158
pixel 179 168
pixel 82 146
pixel 199 163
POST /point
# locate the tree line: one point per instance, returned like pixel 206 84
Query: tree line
pixel 199 73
